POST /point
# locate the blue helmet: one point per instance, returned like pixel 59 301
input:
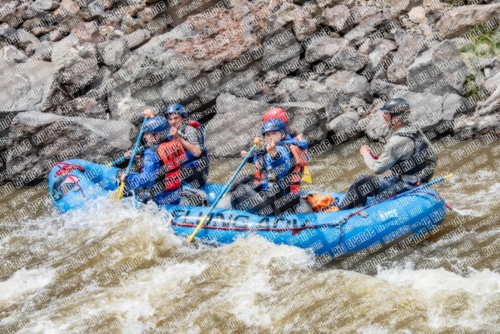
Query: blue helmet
pixel 273 124
pixel 176 109
pixel 156 125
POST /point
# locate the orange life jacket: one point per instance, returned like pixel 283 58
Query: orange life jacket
pixel 172 154
pixel 323 203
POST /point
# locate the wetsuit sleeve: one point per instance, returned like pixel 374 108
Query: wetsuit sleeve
pixel 147 177
pixel 396 148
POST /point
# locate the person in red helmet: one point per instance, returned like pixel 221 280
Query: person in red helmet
pixel 276 113
pixel 275 187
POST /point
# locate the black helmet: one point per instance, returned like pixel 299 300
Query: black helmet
pixel 396 107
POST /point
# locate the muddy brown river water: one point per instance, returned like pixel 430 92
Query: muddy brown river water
pixel 113 268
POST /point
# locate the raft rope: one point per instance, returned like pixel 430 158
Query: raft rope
pixel 68 168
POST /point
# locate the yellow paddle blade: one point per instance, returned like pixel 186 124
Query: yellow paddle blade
pixel 307 176
pixel 119 194
pixel 197 229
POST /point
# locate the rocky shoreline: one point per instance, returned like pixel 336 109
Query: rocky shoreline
pixel 77 74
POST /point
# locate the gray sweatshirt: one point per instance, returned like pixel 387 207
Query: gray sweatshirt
pixel 397 148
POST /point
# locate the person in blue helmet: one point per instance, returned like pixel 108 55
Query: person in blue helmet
pixel 153 181
pixel 190 134
pixel 276 188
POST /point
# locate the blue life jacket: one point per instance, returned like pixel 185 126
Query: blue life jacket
pixel 149 183
pixel 288 170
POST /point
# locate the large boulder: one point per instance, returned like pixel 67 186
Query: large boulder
pixel 327 48
pixel 439 70
pixel 48 138
pixel 236 124
pixel 113 52
pixel 23 88
pixel 343 122
pixel 454 105
pixel 387 90
pixel 458 21
pixel 426 109
pixel 336 17
pixel 180 10
pixel 375 128
pixel 347 83
pixel 78 62
pixel 409 46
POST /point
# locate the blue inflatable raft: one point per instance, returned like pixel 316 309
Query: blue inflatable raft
pixel 332 234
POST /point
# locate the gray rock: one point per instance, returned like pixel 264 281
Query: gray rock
pixel 417 15
pixel 386 89
pixel 326 48
pixel 113 52
pixel 347 83
pixel 439 70
pixel 465 123
pixel 492 83
pixel 453 105
pixel 44 5
pixel 491 104
pixel 376 129
pixel 343 122
pixel 6 31
pixel 280 47
pixel 458 21
pixel 336 17
pixel 409 47
pixel 27 89
pixel 380 53
pixel 359 34
pixel 398 6
pixel 236 124
pixel 70 54
pixel 8 9
pixel 363 12
pixel 137 38
pixel 70 137
pixel 304 27
pixel 44 51
pixel 10 55
pixel 27 41
pixel 426 109
pixel 177 10
pixel 487 123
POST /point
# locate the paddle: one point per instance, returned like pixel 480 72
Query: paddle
pixel 224 191
pixel 119 195
pixel 122 159
pixel 427 185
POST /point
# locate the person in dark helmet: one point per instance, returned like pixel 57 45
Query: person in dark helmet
pixel 190 135
pixel 408 154
pixel 276 188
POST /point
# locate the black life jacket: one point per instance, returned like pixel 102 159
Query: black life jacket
pixel 197 163
pixel 419 165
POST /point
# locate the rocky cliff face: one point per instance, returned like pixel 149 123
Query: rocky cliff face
pixel 82 71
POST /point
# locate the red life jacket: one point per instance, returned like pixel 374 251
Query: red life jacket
pixel 172 154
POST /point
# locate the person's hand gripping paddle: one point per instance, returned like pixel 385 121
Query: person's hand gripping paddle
pixel 224 191
pixel 119 194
